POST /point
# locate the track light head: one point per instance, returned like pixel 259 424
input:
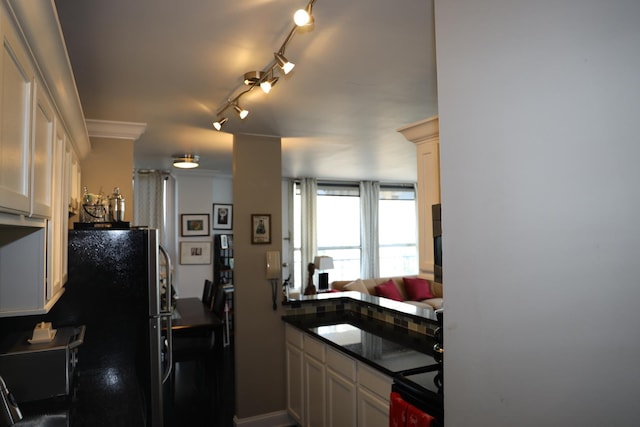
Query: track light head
pixel 218 123
pixel 303 16
pixel 268 84
pixel 241 112
pixel 284 63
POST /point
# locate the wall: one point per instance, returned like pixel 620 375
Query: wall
pixel 196 191
pixel 538 106
pixel 109 164
pixel 259 342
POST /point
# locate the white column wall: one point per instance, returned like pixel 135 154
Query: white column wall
pixel 539 109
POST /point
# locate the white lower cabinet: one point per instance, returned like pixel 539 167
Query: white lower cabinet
pixel 342 407
pixel 326 387
pixel 374 390
pixel 294 358
pixel 315 390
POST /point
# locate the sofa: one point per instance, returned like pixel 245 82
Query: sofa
pixel 408 289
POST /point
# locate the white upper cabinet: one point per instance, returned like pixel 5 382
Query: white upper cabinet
pixel 42 157
pixel 43 136
pixel 16 93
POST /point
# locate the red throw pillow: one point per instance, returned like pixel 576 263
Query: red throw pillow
pixel 389 290
pixel 417 288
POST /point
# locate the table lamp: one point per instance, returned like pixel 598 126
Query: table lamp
pixel 323 263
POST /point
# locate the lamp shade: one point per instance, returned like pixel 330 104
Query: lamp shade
pixel 323 262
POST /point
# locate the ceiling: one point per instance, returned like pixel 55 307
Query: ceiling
pixel 365 69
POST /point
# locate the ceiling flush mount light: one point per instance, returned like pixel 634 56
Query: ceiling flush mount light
pixel 218 123
pixel 188 161
pixel 265 78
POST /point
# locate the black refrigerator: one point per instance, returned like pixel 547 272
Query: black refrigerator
pixel 115 288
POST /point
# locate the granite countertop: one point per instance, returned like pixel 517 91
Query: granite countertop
pixel 381 345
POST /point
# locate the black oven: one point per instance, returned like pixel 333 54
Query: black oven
pixel 420 389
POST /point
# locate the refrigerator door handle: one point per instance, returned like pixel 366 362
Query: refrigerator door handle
pixel 169 277
pixel 169 367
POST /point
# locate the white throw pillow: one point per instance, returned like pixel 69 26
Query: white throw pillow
pixel 358 286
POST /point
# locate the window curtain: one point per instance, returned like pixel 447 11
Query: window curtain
pixel 308 197
pixel 151 191
pixel 369 259
pixel 288 243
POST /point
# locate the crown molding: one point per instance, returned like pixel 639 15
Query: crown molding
pixel 115 130
pixel 421 131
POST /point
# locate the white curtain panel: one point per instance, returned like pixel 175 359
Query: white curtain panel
pixel 308 194
pixel 369 259
pixel 151 200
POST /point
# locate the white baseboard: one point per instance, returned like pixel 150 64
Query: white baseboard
pixel 273 419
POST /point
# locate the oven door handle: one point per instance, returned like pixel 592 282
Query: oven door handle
pixel 79 337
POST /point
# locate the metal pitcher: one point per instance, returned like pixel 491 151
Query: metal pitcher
pixel 116 206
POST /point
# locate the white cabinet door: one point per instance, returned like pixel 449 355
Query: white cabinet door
pixel 315 392
pixel 42 157
pixel 295 390
pixel 342 407
pixel 294 362
pixel 16 91
pixel 374 392
pixel 373 411
pixel 341 400
pixel 74 184
pixel 58 223
pixel 428 155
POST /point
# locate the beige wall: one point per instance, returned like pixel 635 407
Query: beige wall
pixel 109 165
pixel 259 339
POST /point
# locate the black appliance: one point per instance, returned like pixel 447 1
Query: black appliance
pixel 420 390
pixel 40 370
pixel 424 387
pixel 114 288
pixel 436 214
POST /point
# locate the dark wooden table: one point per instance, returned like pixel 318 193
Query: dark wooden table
pixel 191 313
pixel 197 347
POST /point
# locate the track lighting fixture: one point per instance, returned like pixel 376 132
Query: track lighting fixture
pixel 218 123
pixel 188 161
pixel 265 78
pixel 241 111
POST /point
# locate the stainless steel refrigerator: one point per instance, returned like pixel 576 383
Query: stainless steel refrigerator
pixel 115 288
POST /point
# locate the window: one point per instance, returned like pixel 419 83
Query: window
pixel 397 232
pixel 338 231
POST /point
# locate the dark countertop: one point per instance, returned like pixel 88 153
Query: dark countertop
pixel 385 303
pixel 389 349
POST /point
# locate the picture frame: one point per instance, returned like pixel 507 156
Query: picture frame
pixel 260 229
pixel 222 217
pixel 195 252
pixel 194 225
pixel 224 242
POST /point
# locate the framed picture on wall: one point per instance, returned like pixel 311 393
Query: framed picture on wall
pixel 195 252
pixel 195 225
pixel 260 228
pixel 222 217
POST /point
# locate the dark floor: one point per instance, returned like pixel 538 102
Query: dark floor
pixel 199 402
